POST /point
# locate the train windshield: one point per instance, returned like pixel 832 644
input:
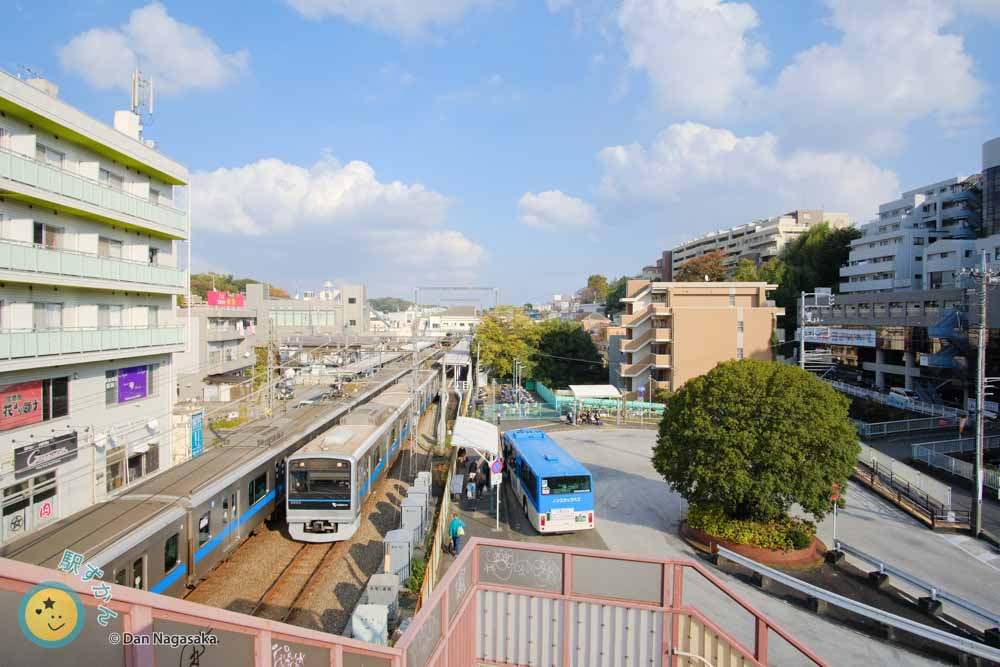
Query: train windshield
pixel 558 486
pixel 315 479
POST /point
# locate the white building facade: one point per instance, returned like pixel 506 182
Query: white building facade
pixel 918 241
pixel 89 276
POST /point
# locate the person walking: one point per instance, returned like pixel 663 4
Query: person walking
pixel 456 530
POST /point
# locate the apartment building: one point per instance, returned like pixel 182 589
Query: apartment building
pixel 455 320
pixel 89 222
pixel 991 187
pixel 677 331
pixel 331 311
pixel 918 241
pixel 758 241
pixel 218 363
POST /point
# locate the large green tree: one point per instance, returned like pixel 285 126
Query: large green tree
pixel 812 260
pixel 566 355
pixel 597 288
pixel 753 437
pixel 616 292
pixel 503 336
pixel 772 271
pixel 696 268
pixel 389 304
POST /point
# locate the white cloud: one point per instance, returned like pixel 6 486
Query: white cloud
pixel 177 56
pixel 555 210
pixel 697 53
pixel 987 8
pixel 339 203
pixel 557 5
pixel 893 65
pixel 700 174
pixel 410 18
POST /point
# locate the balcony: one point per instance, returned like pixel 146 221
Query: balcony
pixel 661 361
pixel 27 349
pixel 25 262
pixel 22 177
pixel 632 370
pixel 638 318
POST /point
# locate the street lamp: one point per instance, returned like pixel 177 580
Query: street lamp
pixel 985 277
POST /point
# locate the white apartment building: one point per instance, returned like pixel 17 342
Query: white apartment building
pixel 331 311
pixel 456 320
pixel 88 278
pixel 758 241
pixel 218 363
pixel 918 241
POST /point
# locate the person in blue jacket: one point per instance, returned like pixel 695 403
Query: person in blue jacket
pixel 456 529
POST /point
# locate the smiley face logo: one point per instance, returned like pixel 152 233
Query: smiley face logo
pixel 51 615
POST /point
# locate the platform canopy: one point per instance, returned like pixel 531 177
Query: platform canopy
pixel 477 435
pixel 459 355
pixel 585 391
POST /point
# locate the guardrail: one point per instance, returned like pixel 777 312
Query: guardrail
pixel 933 635
pixel 897 402
pixel 936 455
pixel 905 477
pixel 934 592
pixel 909 498
pixel 879 429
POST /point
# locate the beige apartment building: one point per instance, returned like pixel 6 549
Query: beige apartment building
pixel 677 331
pixel 758 241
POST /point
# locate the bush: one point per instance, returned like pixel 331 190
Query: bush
pixel 418 568
pixel 785 534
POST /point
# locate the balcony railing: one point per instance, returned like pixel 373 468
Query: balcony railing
pixel 631 370
pixel 650 310
pixel 17 256
pixel 24 169
pixel 661 360
pixel 20 344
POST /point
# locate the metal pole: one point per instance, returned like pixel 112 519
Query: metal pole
pixel 835 524
pixel 802 331
pixel 977 508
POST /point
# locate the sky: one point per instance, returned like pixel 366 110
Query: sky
pixel 521 144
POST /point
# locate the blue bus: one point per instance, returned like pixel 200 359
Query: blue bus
pixel 554 490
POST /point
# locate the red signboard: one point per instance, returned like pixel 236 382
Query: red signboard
pixel 20 404
pixel 225 299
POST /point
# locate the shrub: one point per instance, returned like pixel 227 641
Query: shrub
pixel 418 568
pixel 785 534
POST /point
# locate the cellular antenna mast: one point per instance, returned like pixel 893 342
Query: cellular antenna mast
pixel 142 93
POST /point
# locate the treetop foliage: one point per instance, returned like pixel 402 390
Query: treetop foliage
pixel 753 437
pixel 389 304
pixel 202 283
pixel 696 268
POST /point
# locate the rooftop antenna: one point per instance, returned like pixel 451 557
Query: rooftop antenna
pixel 142 95
pixel 28 72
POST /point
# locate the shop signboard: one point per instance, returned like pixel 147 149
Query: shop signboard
pixel 225 299
pixel 850 337
pixel 33 458
pixel 131 383
pixel 20 404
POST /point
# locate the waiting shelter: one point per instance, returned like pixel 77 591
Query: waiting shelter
pixel 480 437
pixel 597 395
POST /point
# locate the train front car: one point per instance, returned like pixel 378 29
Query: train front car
pixel 322 496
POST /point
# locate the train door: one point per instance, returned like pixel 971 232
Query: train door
pixel 137 570
pixel 231 517
pixel 279 483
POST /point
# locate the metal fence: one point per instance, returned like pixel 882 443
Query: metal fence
pixel 936 454
pixel 897 401
pixel 904 476
pixel 879 429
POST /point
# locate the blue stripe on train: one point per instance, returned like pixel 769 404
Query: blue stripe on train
pixel 170 579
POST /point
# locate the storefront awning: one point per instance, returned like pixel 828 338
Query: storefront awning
pixel 585 391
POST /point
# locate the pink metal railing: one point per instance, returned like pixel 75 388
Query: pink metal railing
pixel 441 636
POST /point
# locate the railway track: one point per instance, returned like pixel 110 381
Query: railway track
pixel 279 601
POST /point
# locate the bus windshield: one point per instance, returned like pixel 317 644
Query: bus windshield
pixel 558 486
pixel 319 479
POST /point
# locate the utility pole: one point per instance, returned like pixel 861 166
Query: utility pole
pixel 977 508
pixel 802 331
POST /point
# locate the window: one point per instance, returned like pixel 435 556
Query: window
pixel 732 299
pixel 137 572
pixel 55 398
pixel 968 253
pixel 109 248
pixel 153 319
pixel 739 326
pixel 49 155
pixel 225 509
pixel 48 236
pixel 152 458
pixel 154 196
pixel 918 241
pixel 109 316
pixel 203 529
pixel 170 552
pixel 354 323
pixel 110 387
pixel 115 478
pixel 112 180
pixel 120 577
pixel 258 488
pixel 47 316
pixel 352 300
pixel 134 468
pixel 154 256
pixel 4 138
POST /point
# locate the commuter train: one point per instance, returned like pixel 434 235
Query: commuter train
pixel 168 532
pixel 330 478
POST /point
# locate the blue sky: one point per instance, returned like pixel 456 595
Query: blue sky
pixel 522 144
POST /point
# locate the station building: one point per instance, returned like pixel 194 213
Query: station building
pixel 89 223
pixel 677 331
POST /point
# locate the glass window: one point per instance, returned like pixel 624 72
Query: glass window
pixel 55 398
pixel 110 387
pixel 134 468
pixel 112 180
pixel 170 552
pixel 203 529
pixel 352 300
pixel 153 319
pixel 115 478
pixel 120 577
pixel 258 488
pixel 109 248
pixel 225 509
pixel 558 486
pixel 154 256
pixel 47 316
pixel 137 573
pixel 152 458
pixel 49 155
pixel 48 236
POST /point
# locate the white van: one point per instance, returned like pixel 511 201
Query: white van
pixel 905 394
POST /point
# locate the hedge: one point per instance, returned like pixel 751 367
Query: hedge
pixel 787 534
